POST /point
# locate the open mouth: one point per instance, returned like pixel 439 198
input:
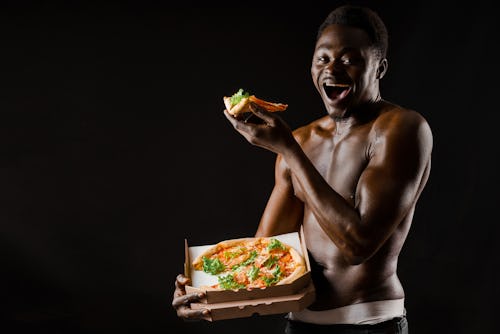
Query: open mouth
pixel 336 91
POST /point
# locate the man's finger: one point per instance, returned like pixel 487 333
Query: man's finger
pixel 181 277
pixel 237 124
pixel 262 113
pixel 231 118
pixel 186 299
pixel 180 283
pixel 195 315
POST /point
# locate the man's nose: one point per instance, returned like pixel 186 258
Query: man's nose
pixel 334 66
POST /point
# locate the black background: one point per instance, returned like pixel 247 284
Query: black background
pixel 114 149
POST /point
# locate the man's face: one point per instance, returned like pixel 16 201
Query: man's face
pixel 344 69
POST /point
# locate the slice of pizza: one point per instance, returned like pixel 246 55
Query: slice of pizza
pixel 250 263
pixel 239 103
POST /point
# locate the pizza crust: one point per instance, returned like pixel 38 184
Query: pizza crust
pixel 242 107
pixel 300 268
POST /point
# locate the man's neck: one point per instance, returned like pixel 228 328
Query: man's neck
pixel 357 115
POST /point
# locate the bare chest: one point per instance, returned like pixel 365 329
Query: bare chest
pixel 340 162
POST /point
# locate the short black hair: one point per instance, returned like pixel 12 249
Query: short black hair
pixel 360 17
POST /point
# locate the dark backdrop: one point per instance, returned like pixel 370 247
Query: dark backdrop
pixel 114 149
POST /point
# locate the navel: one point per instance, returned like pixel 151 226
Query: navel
pixel 351 197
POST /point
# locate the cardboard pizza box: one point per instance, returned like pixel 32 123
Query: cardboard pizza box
pixel 263 306
pixel 227 304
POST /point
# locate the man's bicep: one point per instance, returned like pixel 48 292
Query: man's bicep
pixel 392 182
pixel 284 211
pixel 382 200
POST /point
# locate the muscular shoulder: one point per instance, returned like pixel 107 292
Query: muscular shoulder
pixel 314 131
pixel 399 122
pixel 401 126
pixel 321 127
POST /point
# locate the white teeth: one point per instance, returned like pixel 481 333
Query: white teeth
pixel 336 85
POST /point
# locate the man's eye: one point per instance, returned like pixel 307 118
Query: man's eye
pixel 322 60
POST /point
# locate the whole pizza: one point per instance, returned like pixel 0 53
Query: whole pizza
pixel 250 263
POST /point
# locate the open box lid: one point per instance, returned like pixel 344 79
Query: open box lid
pixel 294 239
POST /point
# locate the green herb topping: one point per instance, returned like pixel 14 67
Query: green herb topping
pixel 253 273
pixel 232 255
pixel 250 260
pixel 271 261
pixel 238 96
pixel 276 277
pixel 213 266
pixel 227 282
pixel 275 244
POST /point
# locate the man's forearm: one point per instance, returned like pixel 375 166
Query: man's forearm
pixel 335 215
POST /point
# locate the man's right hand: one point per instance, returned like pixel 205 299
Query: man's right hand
pixel 181 301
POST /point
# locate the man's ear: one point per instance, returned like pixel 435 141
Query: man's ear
pixel 382 68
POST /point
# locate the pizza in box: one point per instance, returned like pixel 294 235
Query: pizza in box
pixel 249 263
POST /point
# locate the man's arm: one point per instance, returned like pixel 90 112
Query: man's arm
pixel 284 211
pixel 386 191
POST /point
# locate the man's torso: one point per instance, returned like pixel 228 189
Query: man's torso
pixel 341 159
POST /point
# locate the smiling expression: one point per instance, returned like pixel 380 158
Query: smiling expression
pixel 345 69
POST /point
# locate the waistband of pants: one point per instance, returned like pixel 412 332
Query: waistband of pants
pixel 361 313
pixel 397 325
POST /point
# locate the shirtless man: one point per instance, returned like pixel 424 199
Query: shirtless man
pixel 351 179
